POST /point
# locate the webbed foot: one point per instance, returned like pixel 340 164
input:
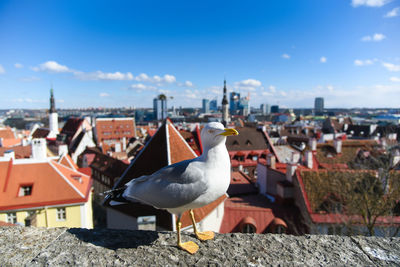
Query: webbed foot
pixel 189 246
pixel 203 236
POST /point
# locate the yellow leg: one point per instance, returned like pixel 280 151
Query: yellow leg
pixel 203 236
pixel 190 246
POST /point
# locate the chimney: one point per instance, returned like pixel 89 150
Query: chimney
pixel 39 148
pixel 62 150
pixel 24 142
pixel 117 147
pixel 290 169
pixel 124 143
pixel 295 157
pixel 312 143
pixel 337 143
pixel 392 136
pixel 241 168
pixel 309 159
pixel 9 154
pixel 271 161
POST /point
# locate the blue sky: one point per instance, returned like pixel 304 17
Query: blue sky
pixel 124 53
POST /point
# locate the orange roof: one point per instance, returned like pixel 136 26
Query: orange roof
pixel 6 224
pixel 20 151
pixel 201 213
pixel 179 148
pixel 52 184
pixel 255 207
pixel 7 133
pixel 8 142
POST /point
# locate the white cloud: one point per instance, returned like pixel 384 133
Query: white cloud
pixel 2 70
pixel 105 76
pixel 392 13
pixel 377 37
pixel 18 65
pixel 52 66
pixel 249 84
pixel 285 56
pixel 143 77
pixel 323 59
pixel 188 84
pixel 359 62
pixel 391 67
pixel 395 79
pixel 104 94
pixel 139 87
pixel 169 78
pixel 272 89
pixel 369 3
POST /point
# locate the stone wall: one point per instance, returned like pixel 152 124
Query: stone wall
pixel 29 246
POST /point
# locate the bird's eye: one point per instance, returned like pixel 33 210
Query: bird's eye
pixel 211 131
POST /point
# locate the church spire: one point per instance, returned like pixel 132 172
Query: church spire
pixel 225 112
pixel 224 99
pixel 52 101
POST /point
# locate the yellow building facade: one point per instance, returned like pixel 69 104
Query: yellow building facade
pixel 75 215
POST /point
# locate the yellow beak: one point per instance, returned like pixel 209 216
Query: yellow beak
pixel 229 131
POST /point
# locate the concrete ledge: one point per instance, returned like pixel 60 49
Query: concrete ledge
pixel 31 246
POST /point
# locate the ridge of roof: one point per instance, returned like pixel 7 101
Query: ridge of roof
pixel 65 178
pixel 9 168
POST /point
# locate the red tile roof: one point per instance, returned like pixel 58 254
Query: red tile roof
pixel 201 213
pixel 7 133
pixel 6 224
pixel 10 142
pixel 52 184
pixel 239 209
pixel 19 151
pixel 240 184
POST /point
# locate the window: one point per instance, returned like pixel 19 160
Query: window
pixel 280 229
pixel 12 217
pixel 61 214
pixel 248 228
pixel 25 190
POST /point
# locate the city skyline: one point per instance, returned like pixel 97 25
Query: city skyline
pixel 97 54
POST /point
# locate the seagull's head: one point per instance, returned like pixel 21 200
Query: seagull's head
pixel 214 133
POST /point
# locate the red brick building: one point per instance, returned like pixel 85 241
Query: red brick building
pixel 113 134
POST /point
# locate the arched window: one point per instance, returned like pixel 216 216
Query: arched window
pixel 248 228
pixel 280 229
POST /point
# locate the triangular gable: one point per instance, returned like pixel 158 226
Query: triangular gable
pixel 179 149
pixel 68 162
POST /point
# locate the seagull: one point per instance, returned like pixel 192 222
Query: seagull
pixel 188 184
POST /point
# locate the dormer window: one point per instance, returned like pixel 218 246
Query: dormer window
pixel 25 190
pixel 235 143
pixel 248 143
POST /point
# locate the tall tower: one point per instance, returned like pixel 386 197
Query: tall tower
pixel 53 117
pixel 319 105
pixel 225 108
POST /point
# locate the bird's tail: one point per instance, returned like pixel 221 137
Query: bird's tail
pixel 115 195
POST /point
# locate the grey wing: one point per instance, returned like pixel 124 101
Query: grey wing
pixel 173 186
